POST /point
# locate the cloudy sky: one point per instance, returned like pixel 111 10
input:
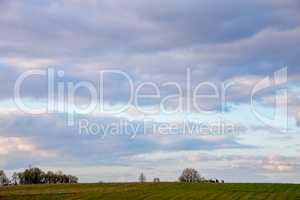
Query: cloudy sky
pixel 229 68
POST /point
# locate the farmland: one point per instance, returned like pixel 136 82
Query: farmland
pixel 151 191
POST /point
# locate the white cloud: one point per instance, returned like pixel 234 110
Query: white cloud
pixel 10 145
pixel 278 168
pixel 29 63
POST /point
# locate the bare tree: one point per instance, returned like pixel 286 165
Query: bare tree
pixel 14 178
pixel 190 175
pixel 142 178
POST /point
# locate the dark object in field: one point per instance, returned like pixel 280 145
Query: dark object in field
pixel 156 180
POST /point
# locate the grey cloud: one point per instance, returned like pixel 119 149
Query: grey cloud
pixel 153 40
pixel 89 29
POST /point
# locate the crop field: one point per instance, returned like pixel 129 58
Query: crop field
pixel 153 191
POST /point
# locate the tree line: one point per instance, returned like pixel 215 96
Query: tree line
pixel 36 176
pixel 188 175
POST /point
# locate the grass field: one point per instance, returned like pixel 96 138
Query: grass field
pixel 152 191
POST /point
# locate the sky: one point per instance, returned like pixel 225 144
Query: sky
pixel 108 89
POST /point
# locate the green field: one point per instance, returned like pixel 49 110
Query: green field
pixel 153 191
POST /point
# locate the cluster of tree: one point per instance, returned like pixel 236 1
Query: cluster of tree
pixel 3 178
pixel 37 176
pixel 190 175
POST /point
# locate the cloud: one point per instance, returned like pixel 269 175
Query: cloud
pixel 279 164
pixel 10 145
pixel 51 132
pixel 29 63
pixel 151 41
pixel 278 168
